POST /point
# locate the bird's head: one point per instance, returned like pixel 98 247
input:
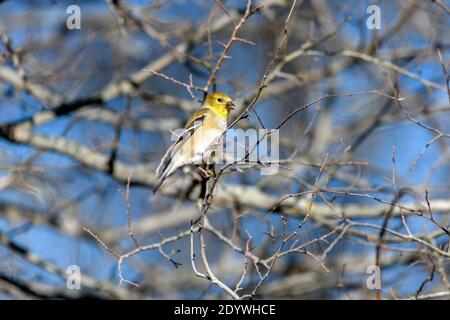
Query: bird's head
pixel 220 103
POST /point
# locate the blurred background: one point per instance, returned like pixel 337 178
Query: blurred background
pixel 82 114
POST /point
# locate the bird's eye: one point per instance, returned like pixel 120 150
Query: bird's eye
pixel 219 100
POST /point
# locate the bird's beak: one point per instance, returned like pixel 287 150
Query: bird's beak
pixel 230 105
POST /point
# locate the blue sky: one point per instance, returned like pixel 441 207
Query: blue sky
pixel 408 138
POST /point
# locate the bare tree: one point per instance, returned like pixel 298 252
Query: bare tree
pixel 357 208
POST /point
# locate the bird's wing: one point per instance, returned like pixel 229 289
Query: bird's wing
pixel 193 123
pixel 198 116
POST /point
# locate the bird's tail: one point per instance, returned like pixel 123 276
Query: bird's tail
pixel 159 183
pixel 168 170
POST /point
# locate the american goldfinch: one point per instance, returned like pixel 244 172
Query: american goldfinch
pixel 201 134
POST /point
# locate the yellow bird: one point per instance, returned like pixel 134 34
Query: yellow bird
pixel 201 134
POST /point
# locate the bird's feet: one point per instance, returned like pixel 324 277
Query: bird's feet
pixel 205 172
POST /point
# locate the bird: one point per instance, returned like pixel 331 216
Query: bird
pixel 200 135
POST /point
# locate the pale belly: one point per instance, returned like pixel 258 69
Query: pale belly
pixel 202 142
